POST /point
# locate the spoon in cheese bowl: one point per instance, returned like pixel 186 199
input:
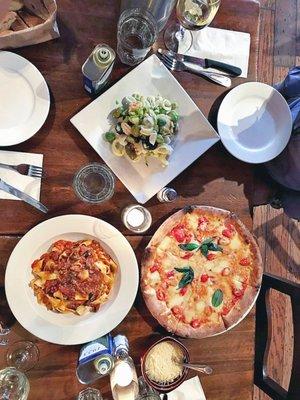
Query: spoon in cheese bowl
pixel 204 369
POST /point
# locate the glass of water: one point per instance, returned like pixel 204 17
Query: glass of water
pixel 22 355
pixel 90 394
pixel 13 384
pixel 137 31
pixel 94 183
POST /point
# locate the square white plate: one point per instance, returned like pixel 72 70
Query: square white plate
pixel 195 134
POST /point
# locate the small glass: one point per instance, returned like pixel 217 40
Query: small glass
pixel 14 385
pixel 146 392
pixel 90 394
pixel 94 183
pixel 136 218
pixel 22 355
pixel 137 31
pixel 193 15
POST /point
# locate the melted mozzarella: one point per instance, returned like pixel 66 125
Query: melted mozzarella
pixel 165 243
pixel 153 278
pixel 235 243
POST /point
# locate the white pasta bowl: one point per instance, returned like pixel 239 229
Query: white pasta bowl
pixel 194 137
pixel 70 329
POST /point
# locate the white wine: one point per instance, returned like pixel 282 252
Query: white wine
pixel 196 14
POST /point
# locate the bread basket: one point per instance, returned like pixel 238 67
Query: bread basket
pixel 27 22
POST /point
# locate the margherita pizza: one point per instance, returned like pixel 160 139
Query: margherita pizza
pixel 201 272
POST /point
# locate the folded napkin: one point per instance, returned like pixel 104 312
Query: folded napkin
pixel 188 390
pixel 31 186
pixel 231 47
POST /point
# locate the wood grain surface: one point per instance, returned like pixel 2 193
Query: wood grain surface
pixel 277 234
pixel 215 179
pixel 278 238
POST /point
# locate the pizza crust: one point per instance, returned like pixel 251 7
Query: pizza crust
pixel 209 329
pixel 242 308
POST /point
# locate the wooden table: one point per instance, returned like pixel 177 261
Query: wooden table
pixel 216 179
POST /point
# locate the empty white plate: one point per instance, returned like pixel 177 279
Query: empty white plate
pixel 24 99
pixel 254 122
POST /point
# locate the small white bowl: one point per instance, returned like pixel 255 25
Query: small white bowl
pixel 254 122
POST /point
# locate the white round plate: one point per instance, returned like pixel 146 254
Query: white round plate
pixel 254 122
pixel 24 99
pixel 70 329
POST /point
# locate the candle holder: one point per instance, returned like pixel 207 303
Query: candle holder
pixel 136 218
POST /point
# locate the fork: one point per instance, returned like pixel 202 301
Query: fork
pixel 25 169
pixel 175 65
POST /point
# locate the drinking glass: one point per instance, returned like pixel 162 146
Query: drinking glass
pixel 160 9
pixel 90 394
pixel 192 15
pixel 94 183
pixel 22 355
pixel 146 392
pixel 13 384
pixel 137 31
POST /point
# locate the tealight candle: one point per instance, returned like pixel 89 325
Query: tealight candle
pixel 136 218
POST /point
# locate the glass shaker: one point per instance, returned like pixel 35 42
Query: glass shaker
pixel 160 9
pixel 14 385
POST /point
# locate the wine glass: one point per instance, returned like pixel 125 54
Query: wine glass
pixel 192 15
pixel 22 355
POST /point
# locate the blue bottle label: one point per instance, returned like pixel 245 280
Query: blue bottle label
pixel 96 348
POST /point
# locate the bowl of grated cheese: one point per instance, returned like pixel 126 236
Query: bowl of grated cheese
pixel 161 365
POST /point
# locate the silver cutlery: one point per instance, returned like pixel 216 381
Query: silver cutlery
pixel 23 196
pixel 205 63
pixel 175 65
pixel 25 169
pixel 204 369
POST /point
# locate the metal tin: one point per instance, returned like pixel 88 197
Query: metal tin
pixel 97 68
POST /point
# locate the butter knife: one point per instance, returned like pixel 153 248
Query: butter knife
pixel 23 196
pixel 204 62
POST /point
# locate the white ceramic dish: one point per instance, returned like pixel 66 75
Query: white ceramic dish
pixel 69 329
pixel 24 99
pixel 254 122
pixel 195 135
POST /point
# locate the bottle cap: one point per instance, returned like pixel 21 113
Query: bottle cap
pixel 103 365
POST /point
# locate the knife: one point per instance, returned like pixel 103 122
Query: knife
pixel 23 196
pixel 204 62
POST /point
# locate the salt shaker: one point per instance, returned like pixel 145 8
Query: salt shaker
pixel 167 195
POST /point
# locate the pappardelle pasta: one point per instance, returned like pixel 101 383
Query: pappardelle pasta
pixel 73 277
pixel 144 127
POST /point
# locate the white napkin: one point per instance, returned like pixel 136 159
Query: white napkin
pixel 188 390
pixel 231 47
pixel 31 186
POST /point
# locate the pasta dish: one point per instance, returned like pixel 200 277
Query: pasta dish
pixel 73 277
pixel 144 127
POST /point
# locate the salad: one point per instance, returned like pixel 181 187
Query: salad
pixel 144 127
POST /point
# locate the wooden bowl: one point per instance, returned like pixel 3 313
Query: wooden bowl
pixel 166 387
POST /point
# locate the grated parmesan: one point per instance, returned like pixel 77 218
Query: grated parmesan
pixel 163 362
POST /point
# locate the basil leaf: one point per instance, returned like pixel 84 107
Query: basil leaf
pixel 183 270
pixel 204 249
pixel 186 279
pixel 217 298
pixel 188 246
pixel 214 247
pixel 206 241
